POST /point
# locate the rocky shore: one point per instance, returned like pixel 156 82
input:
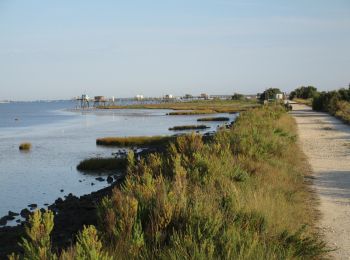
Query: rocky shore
pixel 71 214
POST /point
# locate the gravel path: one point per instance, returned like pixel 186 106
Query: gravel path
pixel 326 142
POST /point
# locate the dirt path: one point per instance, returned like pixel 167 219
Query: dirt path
pixel 326 142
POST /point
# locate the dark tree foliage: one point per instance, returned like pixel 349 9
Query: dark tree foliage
pixel 237 96
pixel 328 101
pixel 270 93
pixel 303 92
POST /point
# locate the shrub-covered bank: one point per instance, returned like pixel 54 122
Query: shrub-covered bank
pixel 336 102
pixel 241 196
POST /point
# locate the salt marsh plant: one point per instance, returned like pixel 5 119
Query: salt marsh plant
pixel 104 164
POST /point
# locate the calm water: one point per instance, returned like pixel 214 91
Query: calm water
pixel 60 139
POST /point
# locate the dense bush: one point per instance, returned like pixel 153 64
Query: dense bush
pixel 335 102
pixel 303 92
pixel 241 196
pixel 237 96
pixel 270 94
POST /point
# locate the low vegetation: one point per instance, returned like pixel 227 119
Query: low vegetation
pixel 104 164
pixel 135 141
pixel 242 195
pixel 206 119
pixel 188 127
pixel 25 146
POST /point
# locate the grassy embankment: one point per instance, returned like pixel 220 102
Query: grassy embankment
pixel 241 196
pixel 199 106
pixel 188 127
pixel 102 164
pixel 336 102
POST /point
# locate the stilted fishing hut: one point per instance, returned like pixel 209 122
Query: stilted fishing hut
pixel 100 101
pixel 84 101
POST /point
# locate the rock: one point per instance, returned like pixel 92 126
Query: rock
pixel 25 213
pixel 99 179
pixel 18 221
pixel 80 180
pixel 46 204
pixel 32 206
pixel 13 214
pixel 109 179
pixel 92 184
pixel 62 190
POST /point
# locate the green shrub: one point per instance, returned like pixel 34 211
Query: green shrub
pixel 38 244
pixel 88 245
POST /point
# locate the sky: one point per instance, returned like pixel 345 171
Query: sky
pixel 61 49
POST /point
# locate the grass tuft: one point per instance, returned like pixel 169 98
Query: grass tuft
pixel 25 146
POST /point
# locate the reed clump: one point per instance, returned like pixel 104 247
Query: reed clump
pixel 25 146
pixel 214 119
pixel 242 195
pixel 134 141
pixel 102 164
pixel 188 127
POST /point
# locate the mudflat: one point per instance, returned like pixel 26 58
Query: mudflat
pixel 326 142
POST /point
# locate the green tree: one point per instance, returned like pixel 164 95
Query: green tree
pixel 270 93
pixel 237 96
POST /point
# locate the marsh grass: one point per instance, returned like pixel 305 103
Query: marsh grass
pixel 191 112
pixel 242 195
pixel 215 106
pixel 25 146
pixel 135 141
pixel 102 164
pixel 189 127
pixel 214 119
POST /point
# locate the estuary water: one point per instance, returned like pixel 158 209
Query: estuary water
pixel 61 137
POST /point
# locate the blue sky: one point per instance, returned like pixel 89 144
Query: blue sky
pixel 61 49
